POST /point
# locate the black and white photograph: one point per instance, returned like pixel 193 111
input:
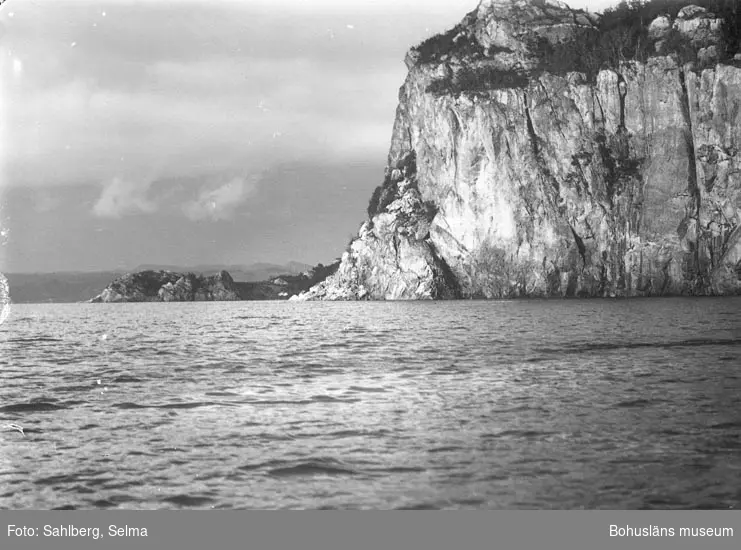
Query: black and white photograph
pixel 370 255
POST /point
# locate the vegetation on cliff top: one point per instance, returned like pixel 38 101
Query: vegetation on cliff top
pixel 478 79
pixel 626 25
pixel 458 41
pixel 622 35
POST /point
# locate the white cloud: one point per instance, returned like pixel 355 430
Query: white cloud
pixel 80 132
pixel 121 197
pixel 125 103
pixel 220 203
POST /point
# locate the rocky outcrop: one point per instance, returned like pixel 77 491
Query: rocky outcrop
pixel 168 286
pixel 286 286
pixel 701 30
pixel 392 256
pixel 4 299
pixel 508 177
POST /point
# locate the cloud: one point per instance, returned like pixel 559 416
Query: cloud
pixel 195 118
pixel 124 197
pixel 252 86
pixel 220 203
pixel 121 197
pixel 45 201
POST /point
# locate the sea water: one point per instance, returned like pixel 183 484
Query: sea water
pixel 470 404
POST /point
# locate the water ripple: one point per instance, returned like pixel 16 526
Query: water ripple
pixel 531 404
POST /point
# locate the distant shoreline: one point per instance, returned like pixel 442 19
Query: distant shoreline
pixel 423 301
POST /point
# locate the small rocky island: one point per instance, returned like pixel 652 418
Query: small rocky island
pixel 168 286
pixel 171 286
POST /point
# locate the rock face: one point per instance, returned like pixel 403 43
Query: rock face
pixel 700 28
pixel 392 257
pixel 168 286
pixel 506 178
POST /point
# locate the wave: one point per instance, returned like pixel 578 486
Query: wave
pixel 193 405
pixel 612 346
pixel 313 467
pixel 188 500
pixel 518 408
pixel 399 469
pixel 190 405
pixel 312 400
pixel 260 465
pixel 76 388
pixel 125 379
pixel 87 476
pixel 139 453
pixel 470 501
pixel 517 433
pixel 447 449
pixel 358 433
pixel 635 403
pixel 641 460
pixel 278 401
pixel 34 339
pixel 276 437
pixel 330 399
pixel 726 426
pixel 367 389
pixel 40 406
pixel 420 506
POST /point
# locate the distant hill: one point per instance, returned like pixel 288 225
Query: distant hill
pixel 80 286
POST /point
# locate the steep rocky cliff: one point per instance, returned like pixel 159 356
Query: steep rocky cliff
pixel 510 174
pixel 168 286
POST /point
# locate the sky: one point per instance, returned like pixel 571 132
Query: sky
pixel 190 133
